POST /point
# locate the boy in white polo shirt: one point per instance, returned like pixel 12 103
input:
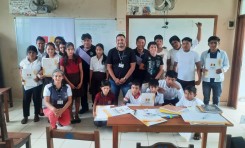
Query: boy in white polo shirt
pixel 133 94
pixel 185 63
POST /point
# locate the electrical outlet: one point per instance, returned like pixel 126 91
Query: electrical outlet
pixel 242 120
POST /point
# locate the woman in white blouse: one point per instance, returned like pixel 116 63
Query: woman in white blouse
pixel 97 70
pixel 29 68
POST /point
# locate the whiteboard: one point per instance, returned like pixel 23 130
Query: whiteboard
pixel 102 31
pixel 28 28
pixel 182 27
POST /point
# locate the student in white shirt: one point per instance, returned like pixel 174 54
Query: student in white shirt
pixel 190 100
pixel 40 41
pixel 98 70
pixel 31 62
pixel 133 94
pixel 175 42
pixel 163 52
pixel 170 88
pixel 185 63
pixel 153 88
pixel 222 65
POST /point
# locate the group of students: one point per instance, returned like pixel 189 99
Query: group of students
pixel 170 75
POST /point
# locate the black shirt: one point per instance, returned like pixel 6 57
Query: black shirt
pixel 121 61
pixel 138 73
pixel 152 66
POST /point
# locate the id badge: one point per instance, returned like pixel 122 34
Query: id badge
pixel 121 65
pixel 60 102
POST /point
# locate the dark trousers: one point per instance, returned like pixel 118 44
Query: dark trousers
pixel 37 100
pixel 173 102
pixel 84 97
pixel 186 83
pixel 100 123
pixel 216 88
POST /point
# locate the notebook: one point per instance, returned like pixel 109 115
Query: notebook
pixel 210 109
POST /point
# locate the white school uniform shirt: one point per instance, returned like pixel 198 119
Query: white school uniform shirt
pixel 171 93
pixel 184 102
pixel 159 98
pixel 173 53
pixel 129 96
pixel 186 64
pixel 41 55
pixel 96 64
pixel 165 56
pixel 35 65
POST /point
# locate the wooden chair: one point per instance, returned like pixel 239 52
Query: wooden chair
pixel 62 134
pixel 11 139
pixel 7 93
pixel 162 145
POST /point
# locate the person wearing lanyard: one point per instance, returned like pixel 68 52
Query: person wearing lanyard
pixel 57 98
pixel 121 62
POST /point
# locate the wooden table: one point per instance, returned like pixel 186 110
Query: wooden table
pixel 7 93
pixel 128 123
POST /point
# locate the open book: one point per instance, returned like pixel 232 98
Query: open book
pixel 170 109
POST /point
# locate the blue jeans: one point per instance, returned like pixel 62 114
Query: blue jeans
pixel 216 88
pixel 115 89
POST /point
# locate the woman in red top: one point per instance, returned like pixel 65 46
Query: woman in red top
pixel 105 97
pixel 71 64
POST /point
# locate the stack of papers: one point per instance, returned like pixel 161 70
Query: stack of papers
pixel 49 65
pixel 116 111
pixel 203 118
pixel 147 117
pixel 170 109
pixel 100 114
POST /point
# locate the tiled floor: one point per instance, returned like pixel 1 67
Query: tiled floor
pixel 126 140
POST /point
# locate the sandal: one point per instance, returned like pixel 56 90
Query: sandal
pixel 197 136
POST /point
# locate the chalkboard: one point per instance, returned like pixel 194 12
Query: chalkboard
pixel 28 28
pixel 182 26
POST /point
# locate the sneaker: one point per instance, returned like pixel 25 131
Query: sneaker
pixel 36 118
pixel 61 127
pixel 24 121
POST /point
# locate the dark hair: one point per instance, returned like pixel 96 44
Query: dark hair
pixel 63 43
pixel 140 37
pixel 214 38
pixel 31 48
pixel 104 56
pixel 50 44
pixel 174 38
pixel 153 83
pixel 105 83
pixel 158 37
pixel 136 83
pixel 86 36
pixel 59 38
pixel 191 89
pixel 74 57
pixel 39 38
pixel 121 35
pixel 171 74
pixel 187 39
pixel 151 43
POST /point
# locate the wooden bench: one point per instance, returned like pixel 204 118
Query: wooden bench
pixel 62 134
pixel 7 96
pixel 11 139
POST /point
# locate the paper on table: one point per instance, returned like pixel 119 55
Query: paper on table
pixel 116 111
pixel 203 118
pixel 28 75
pixel 156 111
pixel 49 65
pixel 100 114
pixel 212 65
pixel 147 99
pixel 147 118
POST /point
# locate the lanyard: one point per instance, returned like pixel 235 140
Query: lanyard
pixel 120 57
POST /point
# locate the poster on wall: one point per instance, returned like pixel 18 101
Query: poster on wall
pixel 21 7
pixel 140 7
pixel 28 28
